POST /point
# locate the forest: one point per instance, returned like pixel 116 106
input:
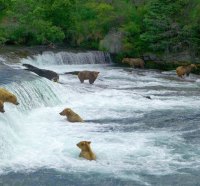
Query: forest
pixel 157 26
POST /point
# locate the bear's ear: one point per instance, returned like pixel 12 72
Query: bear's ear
pixel 69 110
pixel 88 142
pixel 66 110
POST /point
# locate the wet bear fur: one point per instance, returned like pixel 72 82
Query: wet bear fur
pixel 134 62
pixel 71 115
pixel 88 75
pixel 1 107
pixel 49 74
pixel 86 151
pixel 6 96
pixel 182 70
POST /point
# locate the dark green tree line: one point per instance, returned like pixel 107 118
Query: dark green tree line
pixel 159 26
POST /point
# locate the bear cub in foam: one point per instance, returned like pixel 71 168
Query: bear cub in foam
pixel 86 151
pixel 71 115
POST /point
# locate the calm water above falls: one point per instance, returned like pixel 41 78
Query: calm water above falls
pixel 138 141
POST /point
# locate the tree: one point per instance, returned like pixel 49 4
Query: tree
pixel 27 23
pixel 163 25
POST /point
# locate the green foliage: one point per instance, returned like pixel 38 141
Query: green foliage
pixel 3 36
pixel 162 25
pixel 191 28
pixel 93 21
pixel 27 23
pixel 132 44
pixel 46 32
pixel 172 26
pixel 158 26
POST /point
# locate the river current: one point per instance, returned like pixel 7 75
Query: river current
pixel 138 141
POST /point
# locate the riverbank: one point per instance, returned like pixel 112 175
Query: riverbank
pixel 163 63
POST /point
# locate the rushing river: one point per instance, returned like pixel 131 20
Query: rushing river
pixel 138 141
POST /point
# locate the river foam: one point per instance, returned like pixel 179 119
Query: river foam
pixel 133 137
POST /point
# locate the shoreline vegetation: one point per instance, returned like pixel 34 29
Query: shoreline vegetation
pixel 165 34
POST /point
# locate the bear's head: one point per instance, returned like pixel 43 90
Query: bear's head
pixel 95 73
pixel 193 66
pixel 93 76
pixel 55 79
pixel 1 107
pixel 84 145
pixel 125 60
pixel 66 112
pixel 13 99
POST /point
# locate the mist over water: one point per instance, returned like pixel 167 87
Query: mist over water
pixel 138 141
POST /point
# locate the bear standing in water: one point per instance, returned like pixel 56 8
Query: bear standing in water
pixel 134 62
pixel 182 70
pixel 71 115
pixel 85 75
pixel 86 151
pixel 6 96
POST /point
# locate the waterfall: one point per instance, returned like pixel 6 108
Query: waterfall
pixel 36 93
pixel 68 58
pixel 32 93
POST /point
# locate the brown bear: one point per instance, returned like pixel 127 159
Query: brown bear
pixel 134 62
pixel 1 107
pixel 182 70
pixel 6 96
pixel 71 115
pixel 86 151
pixel 49 74
pixel 91 75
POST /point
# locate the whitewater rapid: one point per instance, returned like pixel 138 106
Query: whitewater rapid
pixel 131 135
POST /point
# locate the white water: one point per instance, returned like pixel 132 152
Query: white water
pixel 35 136
pixel 61 58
